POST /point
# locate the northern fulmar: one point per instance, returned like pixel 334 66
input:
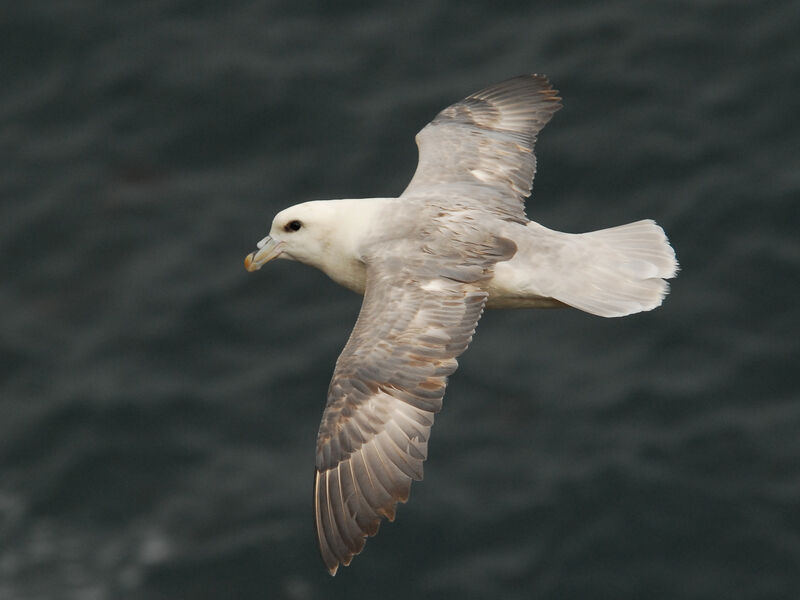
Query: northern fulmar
pixel 456 241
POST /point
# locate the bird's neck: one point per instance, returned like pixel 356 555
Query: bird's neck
pixel 356 220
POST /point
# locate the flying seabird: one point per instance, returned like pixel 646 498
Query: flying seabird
pixel 455 241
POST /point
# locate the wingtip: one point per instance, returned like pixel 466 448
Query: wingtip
pixel 534 83
pixel 330 561
pixel 548 92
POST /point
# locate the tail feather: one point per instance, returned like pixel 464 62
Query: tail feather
pixel 622 270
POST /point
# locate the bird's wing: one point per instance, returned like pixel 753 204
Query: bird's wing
pixel 419 312
pixel 485 143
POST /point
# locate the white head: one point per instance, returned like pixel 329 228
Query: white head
pixel 324 234
pixel 300 233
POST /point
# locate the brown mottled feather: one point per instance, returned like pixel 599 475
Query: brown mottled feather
pixel 388 384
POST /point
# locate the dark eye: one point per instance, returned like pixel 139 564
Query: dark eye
pixel 293 226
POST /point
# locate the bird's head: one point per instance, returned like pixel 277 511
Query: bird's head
pixel 300 232
pixel 326 234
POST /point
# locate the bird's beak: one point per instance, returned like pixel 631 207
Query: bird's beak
pixel 267 250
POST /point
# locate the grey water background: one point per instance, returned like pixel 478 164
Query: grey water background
pixel 159 405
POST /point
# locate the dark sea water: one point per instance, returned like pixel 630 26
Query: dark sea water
pixel 159 405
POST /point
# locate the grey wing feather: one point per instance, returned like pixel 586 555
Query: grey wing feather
pixel 486 141
pixel 388 384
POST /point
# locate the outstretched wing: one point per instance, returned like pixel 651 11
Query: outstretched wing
pixel 418 315
pixel 487 140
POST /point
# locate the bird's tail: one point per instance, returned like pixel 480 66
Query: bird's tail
pixel 623 270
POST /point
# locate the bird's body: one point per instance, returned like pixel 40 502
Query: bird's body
pixel 610 272
pixel 428 263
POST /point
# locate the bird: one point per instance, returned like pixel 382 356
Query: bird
pixel 428 262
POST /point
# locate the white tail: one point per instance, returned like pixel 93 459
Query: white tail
pixel 611 273
pixel 625 272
